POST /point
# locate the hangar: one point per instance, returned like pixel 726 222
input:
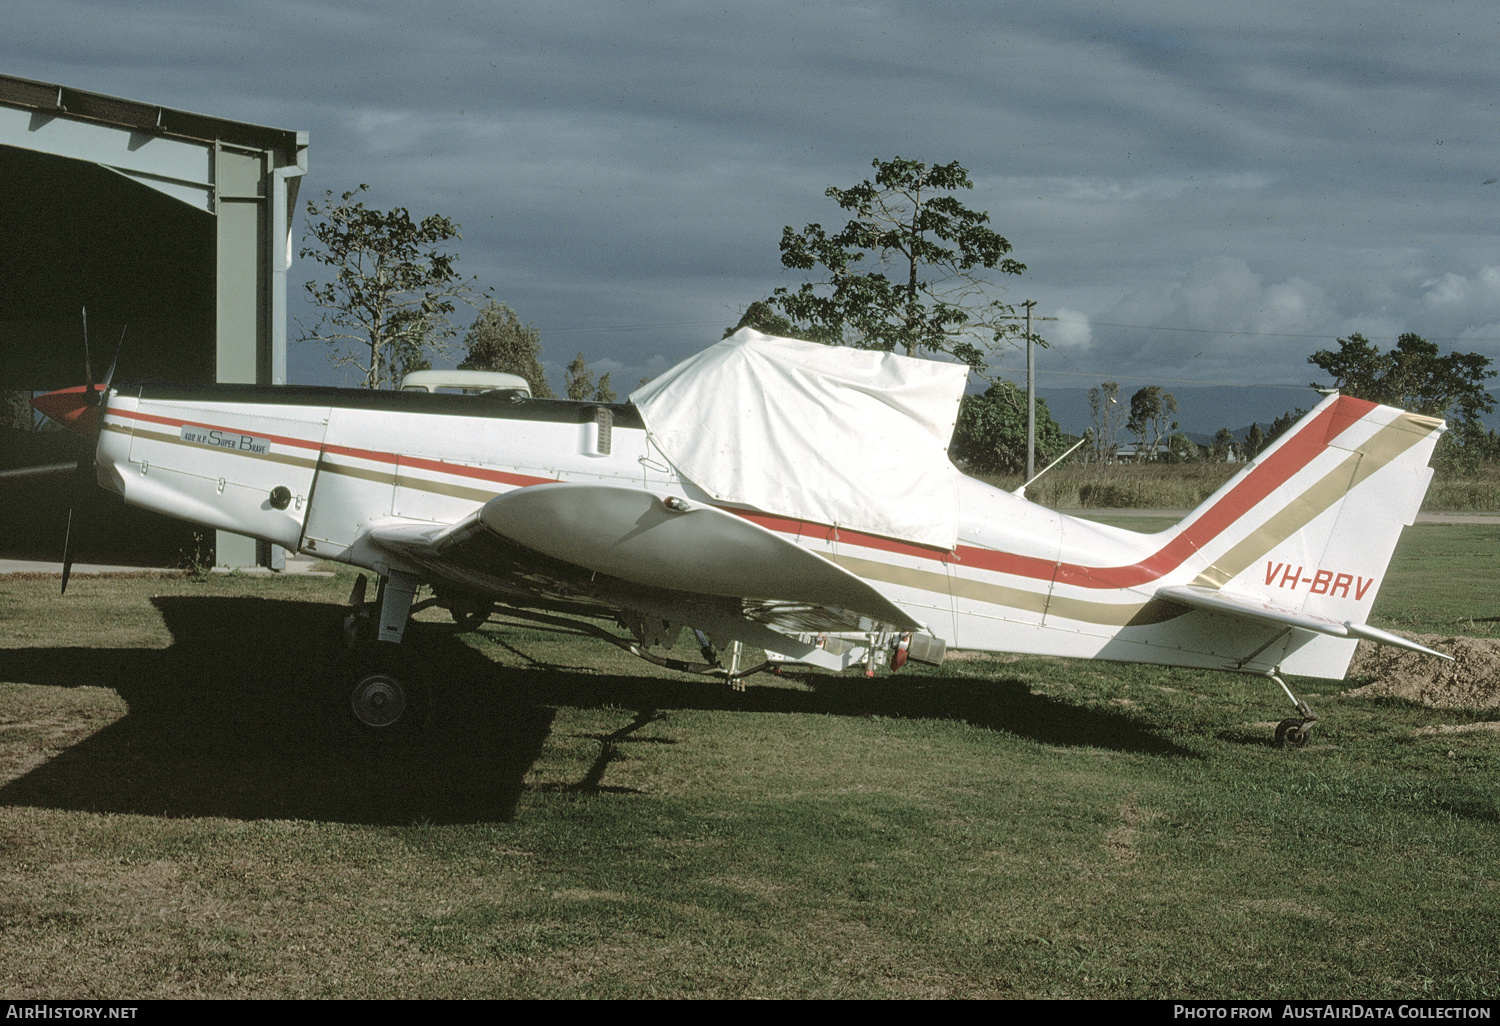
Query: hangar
pixel 173 227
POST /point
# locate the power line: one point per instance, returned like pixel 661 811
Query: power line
pixel 1106 375
pixel 1260 334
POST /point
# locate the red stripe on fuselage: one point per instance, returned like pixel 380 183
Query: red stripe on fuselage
pixel 1279 467
pixel 437 466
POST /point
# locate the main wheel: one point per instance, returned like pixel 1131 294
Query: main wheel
pixel 1293 733
pixel 378 691
pixel 378 701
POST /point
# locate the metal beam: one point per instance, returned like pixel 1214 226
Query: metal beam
pixel 176 167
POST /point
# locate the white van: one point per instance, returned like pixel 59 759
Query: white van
pixel 467 382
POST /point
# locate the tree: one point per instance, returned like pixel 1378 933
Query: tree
pixel 1104 405
pixel 1181 449
pixel 1225 447
pixel 1412 376
pixel 578 382
pixel 580 386
pixel 393 286
pixel 1151 410
pixel 990 436
pixel 1281 423
pixel 603 393
pixel 1255 441
pixel 498 341
pixel 938 300
pixel 762 317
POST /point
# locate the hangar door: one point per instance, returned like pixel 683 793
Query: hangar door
pixel 173 227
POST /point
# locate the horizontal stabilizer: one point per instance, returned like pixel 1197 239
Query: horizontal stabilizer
pixel 1361 630
pixel 1218 602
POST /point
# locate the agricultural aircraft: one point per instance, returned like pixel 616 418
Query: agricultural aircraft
pixel 764 494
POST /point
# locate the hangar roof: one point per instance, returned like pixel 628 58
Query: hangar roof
pixel 142 117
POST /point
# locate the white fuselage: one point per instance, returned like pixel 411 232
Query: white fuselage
pixel 1022 578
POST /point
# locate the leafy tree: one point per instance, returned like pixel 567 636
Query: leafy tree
pixel 498 341
pixel 1181 449
pixel 1225 446
pixel 580 385
pixel 990 436
pixel 578 382
pixel 1462 450
pixel 762 317
pixel 1255 441
pixel 409 350
pixel 1104 405
pixel 393 286
pixel 1412 376
pixel 938 298
pixel 1151 410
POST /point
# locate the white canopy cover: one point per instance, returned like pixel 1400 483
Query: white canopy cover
pixel 838 436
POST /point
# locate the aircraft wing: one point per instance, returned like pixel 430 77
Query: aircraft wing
pixel 608 547
pixel 1254 609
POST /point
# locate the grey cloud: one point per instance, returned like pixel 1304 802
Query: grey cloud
pixel 623 171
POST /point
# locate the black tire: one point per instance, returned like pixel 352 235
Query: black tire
pixel 378 701
pixel 380 695
pixel 1293 733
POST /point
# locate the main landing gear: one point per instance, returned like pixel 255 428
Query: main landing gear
pixel 378 688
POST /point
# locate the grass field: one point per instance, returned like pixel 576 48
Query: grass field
pixel 180 816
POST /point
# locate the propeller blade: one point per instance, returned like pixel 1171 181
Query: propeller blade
pixel 83 413
pixel 109 375
pixel 67 552
pixel 82 497
pixel 88 370
pixel 45 470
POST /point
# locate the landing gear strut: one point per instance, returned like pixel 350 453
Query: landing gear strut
pixel 379 692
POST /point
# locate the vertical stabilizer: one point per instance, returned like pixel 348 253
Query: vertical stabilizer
pixel 1311 524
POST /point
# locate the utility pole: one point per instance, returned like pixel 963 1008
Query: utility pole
pixel 1031 392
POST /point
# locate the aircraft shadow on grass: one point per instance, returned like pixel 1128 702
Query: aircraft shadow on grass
pixel 236 718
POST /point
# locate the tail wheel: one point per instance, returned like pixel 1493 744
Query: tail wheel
pixel 1293 733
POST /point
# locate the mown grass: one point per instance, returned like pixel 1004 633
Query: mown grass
pixel 180 816
pixel 1185 485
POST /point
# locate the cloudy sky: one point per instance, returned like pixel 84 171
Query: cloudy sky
pixel 1201 192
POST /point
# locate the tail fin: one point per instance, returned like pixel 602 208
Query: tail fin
pixel 1311 524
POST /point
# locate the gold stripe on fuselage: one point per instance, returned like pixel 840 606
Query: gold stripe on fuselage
pixel 162 436
pixel 381 477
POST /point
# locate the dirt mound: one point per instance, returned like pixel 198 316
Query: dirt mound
pixel 1471 681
